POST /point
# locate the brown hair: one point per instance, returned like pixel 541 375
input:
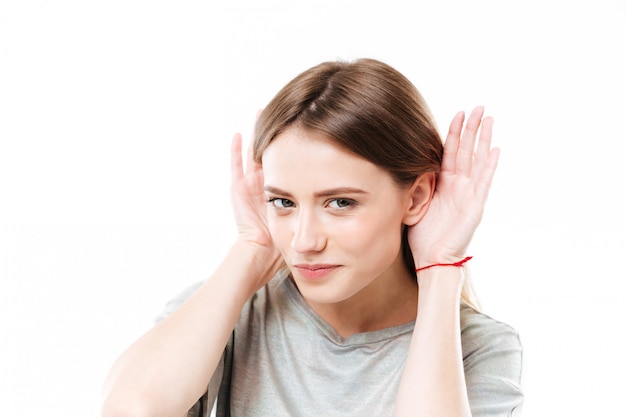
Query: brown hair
pixel 365 107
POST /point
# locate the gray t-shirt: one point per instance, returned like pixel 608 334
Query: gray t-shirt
pixel 284 360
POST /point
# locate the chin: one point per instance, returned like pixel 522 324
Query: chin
pixel 323 291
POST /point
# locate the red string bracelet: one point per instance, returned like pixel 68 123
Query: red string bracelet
pixel 459 263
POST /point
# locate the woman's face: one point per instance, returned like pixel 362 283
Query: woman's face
pixel 335 217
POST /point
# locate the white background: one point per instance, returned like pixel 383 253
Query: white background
pixel 115 125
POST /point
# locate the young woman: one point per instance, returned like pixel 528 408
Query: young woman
pixel 344 294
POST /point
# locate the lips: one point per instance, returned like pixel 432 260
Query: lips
pixel 315 271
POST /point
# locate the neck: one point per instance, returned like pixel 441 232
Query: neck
pixel 390 300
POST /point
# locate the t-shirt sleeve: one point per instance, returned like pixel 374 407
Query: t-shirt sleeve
pixel 492 358
pixel 204 405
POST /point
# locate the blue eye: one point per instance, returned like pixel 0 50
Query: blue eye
pixel 281 202
pixel 340 203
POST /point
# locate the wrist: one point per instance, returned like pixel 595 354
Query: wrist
pixel 441 282
pixel 447 276
pixel 251 265
pixel 424 265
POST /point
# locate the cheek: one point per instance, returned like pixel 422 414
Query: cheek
pixel 387 241
pixel 371 236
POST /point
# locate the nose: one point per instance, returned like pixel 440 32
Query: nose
pixel 308 233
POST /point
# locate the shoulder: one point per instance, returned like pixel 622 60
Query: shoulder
pixel 492 358
pixel 484 335
pixel 269 304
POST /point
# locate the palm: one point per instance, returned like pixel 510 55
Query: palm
pixel 467 169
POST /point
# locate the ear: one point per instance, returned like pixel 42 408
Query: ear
pixel 420 195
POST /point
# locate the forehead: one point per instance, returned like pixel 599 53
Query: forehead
pixel 298 158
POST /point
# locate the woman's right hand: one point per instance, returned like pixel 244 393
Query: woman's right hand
pixel 194 336
pixel 250 208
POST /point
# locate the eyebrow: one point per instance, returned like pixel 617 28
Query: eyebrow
pixel 325 193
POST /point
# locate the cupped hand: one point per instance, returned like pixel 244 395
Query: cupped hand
pixel 250 210
pixel 457 206
pixel 248 197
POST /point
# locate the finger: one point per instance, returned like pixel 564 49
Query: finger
pixel 486 175
pixel 251 165
pixel 451 145
pixel 236 163
pixel 484 142
pixel 465 154
pixel 486 160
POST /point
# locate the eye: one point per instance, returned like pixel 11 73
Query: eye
pixel 340 203
pixel 281 203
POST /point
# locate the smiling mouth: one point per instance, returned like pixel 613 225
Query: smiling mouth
pixel 315 272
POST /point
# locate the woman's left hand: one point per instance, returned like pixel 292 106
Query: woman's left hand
pixel 444 233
